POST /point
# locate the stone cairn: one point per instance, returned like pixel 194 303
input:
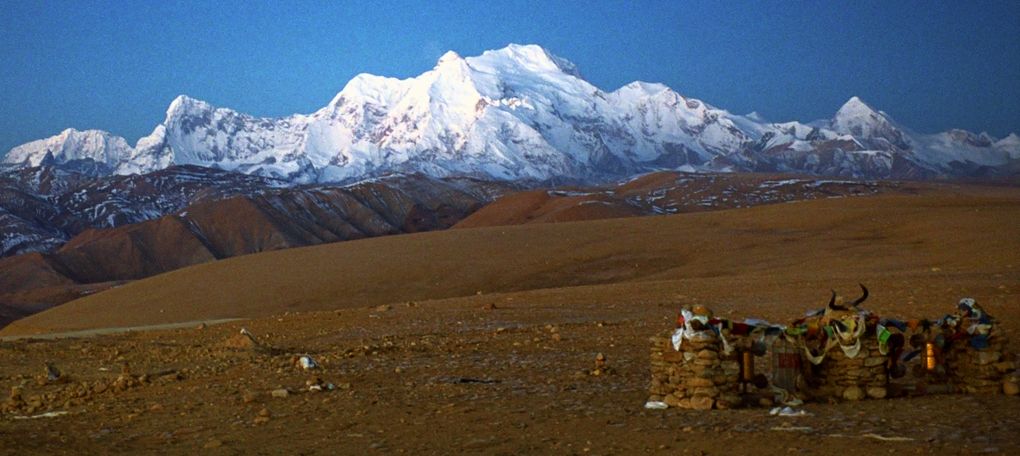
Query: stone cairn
pixel 699 376
pixel 863 376
pixel 702 376
pixel 982 371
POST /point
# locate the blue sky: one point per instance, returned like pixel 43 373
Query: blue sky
pixel 117 65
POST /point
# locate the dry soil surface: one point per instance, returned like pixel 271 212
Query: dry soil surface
pixel 420 362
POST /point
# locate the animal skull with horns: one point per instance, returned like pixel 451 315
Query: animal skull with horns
pixel 836 310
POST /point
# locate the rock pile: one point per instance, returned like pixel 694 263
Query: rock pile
pixel 837 353
pixel 981 371
pixel 699 376
pixel 854 378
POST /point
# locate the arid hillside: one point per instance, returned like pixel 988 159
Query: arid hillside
pixel 222 226
pixel 672 193
pixel 917 252
pixel 486 337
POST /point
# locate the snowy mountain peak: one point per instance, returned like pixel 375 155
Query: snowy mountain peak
pixel 873 128
pixel 449 56
pixel 755 116
pixel 184 106
pixel 530 57
pixel 644 88
pixel 519 112
pixel 72 145
pixel 856 109
pixel 1012 139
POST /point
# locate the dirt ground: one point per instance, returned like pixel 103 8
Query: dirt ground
pixel 438 377
pixel 507 371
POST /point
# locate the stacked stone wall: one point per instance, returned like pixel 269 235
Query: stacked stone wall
pixel 980 371
pixel 863 376
pixel 699 376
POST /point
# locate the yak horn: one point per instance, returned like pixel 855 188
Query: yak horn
pixel 832 302
pixel 863 297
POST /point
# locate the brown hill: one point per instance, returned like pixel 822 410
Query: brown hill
pixel 544 206
pixel 205 231
pixel 670 193
pixel 918 252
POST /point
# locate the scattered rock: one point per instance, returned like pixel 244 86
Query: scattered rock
pixel 306 362
pixel 243 341
pixel 52 373
pixel 214 443
pixel 282 392
pixel 248 397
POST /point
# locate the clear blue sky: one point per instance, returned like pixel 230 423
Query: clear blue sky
pixel 117 65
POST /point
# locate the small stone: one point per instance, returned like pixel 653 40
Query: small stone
pixel 214 443
pixel 987 357
pixel 726 401
pixel 672 400
pixel 1010 388
pixel 282 392
pixel 248 397
pixel 702 403
pixel 876 392
pixel 853 393
pixel 706 392
pixel 1005 366
pixel 383 308
pixel 874 361
pixel 697 382
pixel 708 354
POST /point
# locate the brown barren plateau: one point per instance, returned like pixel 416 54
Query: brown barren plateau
pixel 479 340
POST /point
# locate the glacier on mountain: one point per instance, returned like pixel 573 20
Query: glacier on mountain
pixel 519 113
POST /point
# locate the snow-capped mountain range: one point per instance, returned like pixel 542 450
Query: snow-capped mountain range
pixel 521 113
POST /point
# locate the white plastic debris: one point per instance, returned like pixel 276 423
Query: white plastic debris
pixel 307 362
pixel 786 411
pixel 42 415
pixel 656 405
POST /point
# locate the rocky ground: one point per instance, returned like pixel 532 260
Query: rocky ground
pixel 489 374
pixel 496 352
